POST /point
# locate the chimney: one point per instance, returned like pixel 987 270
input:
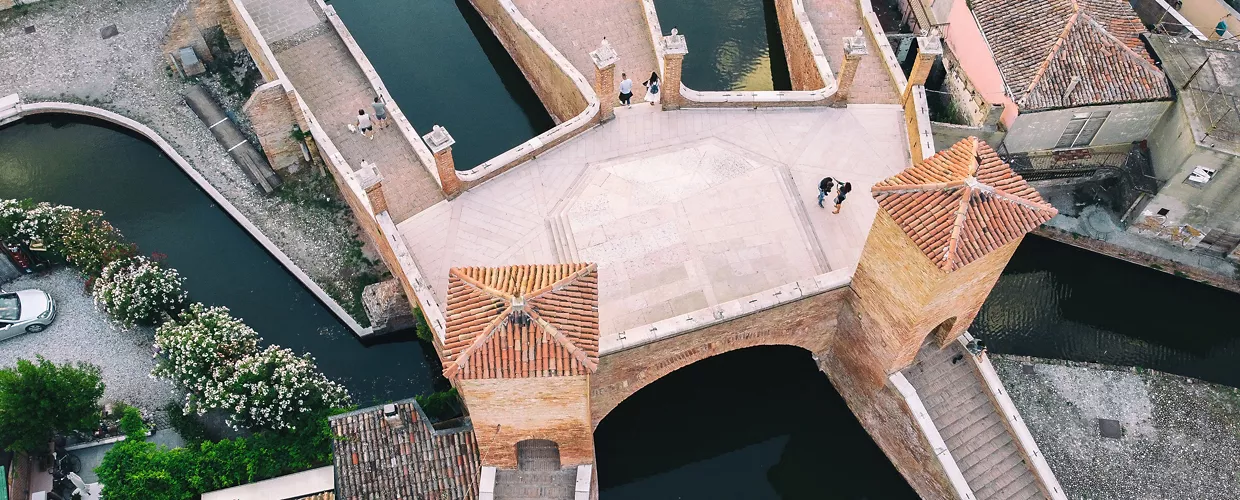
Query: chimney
pixel 392 417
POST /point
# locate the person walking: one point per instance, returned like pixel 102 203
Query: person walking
pixel 626 90
pixel 824 188
pixel 365 126
pixel 381 112
pixel 840 194
pixel 652 88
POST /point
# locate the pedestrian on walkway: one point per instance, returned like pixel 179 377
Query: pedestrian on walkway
pixel 824 188
pixel 652 88
pixel 626 90
pixel 845 188
pixel 381 113
pixel 364 125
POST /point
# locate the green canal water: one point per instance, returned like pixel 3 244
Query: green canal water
pixel 733 45
pixel 87 164
pixel 444 66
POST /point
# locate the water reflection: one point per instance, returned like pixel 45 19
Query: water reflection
pixel 733 44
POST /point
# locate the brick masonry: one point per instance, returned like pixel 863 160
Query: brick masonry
pixel 272 119
pixel 506 411
pixel 801 66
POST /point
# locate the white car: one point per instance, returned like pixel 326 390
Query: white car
pixel 25 311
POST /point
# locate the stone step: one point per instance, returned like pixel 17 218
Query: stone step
pixel 535 484
pixel 997 488
pixel 569 239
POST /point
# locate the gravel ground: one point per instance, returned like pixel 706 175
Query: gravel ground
pixel 82 333
pixel 1181 436
pixel 66 59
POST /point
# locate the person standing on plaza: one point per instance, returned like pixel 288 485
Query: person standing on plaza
pixel 845 188
pixel 626 90
pixel 652 88
pixel 824 188
pixel 365 126
pixel 381 112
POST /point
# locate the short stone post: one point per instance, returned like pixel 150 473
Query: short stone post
pixel 372 183
pixel 674 50
pixel 854 49
pixel 605 59
pixel 929 48
pixel 440 142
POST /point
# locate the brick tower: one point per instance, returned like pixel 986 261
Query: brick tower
pixel 520 346
pixel 944 231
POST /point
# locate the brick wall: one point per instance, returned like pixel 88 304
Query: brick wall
pixel 506 411
pixel 272 119
pixel 801 65
pixel 192 18
pixel 265 66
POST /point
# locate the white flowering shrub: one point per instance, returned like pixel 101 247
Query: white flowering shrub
pixel 275 390
pixel 81 237
pixel 198 350
pixel 12 213
pixel 136 290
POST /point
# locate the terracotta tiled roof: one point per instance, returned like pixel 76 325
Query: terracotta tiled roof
pixel 1043 46
pixel 522 321
pixel 326 495
pixel 376 459
pixel 962 203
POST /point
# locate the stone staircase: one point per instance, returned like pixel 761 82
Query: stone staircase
pixel 982 446
pixel 535 484
pixel 563 245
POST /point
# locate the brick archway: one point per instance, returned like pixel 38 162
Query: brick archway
pixel 809 323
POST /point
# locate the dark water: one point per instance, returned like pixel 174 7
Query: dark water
pixel 733 44
pixel 88 165
pixel 1058 301
pixel 758 423
pixel 444 66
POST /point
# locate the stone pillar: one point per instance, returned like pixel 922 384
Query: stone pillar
pixel 854 49
pixel 372 182
pixel 605 79
pixel 674 50
pixel 440 142
pixel 929 48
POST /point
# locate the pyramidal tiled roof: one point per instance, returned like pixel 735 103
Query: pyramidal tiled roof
pixel 1063 53
pixel 522 321
pixel 962 203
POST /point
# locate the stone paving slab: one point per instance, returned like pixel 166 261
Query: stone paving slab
pixel 281 19
pixel 835 19
pixel 576 28
pixel 681 210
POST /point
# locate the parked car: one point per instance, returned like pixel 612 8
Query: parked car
pixel 25 311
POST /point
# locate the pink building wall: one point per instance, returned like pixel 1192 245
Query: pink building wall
pixel 973 55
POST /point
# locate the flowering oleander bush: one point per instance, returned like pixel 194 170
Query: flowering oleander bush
pixel 199 349
pixel 12 213
pixel 81 238
pixel 136 290
pixel 275 389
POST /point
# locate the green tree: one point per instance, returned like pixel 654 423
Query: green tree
pixel 39 399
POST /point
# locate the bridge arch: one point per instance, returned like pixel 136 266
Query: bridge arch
pixel 809 323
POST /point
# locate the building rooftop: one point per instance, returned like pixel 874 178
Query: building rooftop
pixel 522 321
pixel 402 455
pixel 1207 76
pixel 1065 53
pixel 962 203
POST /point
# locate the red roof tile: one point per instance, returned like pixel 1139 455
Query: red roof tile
pixel 962 203
pixel 1042 46
pixel 522 321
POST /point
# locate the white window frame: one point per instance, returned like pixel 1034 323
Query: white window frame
pixel 1085 120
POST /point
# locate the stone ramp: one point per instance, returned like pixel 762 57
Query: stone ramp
pixel 832 21
pixel 535 484
pixel 981 444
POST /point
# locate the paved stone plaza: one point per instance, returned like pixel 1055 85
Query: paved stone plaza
pixel 681 210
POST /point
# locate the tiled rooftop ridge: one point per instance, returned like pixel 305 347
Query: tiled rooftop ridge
pixel 1062 53
pixel 961 204
pixel 522 321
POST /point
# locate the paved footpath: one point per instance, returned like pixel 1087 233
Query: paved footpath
pixel 576 28
pixel 835 19
pixel 330 81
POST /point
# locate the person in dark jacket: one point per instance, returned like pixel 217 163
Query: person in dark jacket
pixel 824 188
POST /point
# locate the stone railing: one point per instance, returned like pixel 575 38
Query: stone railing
pixel 12 109
pixel 380 228
pixel 931 433
pixel 425 157
pixel 724 312
pixel 810 52
pixel 565 92
pixel 1011 419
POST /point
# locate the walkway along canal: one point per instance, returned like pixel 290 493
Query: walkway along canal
pixel 91 165
pixel 733 44
pixel 444 66
pixel 1059 301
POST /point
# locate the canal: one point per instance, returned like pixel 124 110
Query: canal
pixel 87 164
pixel 1058 301
pixel 733 44
pixel 757 423
pixel 443 65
